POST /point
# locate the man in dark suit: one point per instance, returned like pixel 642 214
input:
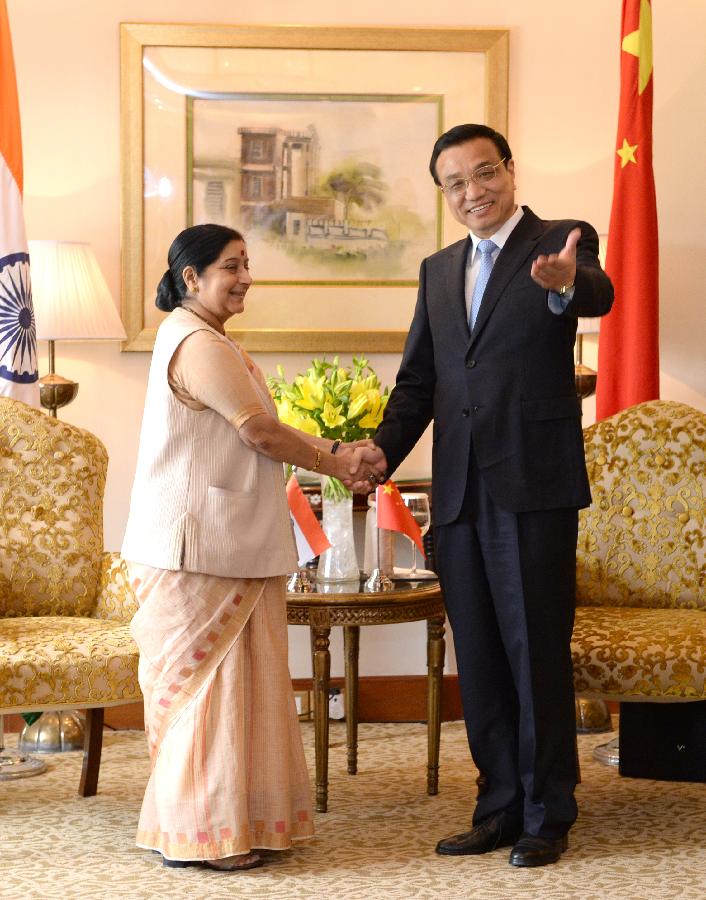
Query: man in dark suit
pixel 489 358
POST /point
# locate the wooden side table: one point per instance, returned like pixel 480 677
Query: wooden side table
pixel 406 602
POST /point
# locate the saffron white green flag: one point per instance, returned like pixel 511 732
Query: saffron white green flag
pixel 18 338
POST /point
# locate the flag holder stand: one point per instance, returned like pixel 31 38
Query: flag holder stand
pixel 378 581
pixel 300 582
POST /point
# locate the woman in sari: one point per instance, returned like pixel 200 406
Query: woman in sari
pixel 209 543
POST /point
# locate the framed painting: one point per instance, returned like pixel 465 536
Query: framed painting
pixel 313 142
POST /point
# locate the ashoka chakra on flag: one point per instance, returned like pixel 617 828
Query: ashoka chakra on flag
pixel 18 338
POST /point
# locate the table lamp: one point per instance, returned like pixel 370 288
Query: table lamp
pixel 592 716
pixel 585 378
pixel 72 302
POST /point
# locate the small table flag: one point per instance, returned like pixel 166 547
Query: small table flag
pixel 394 515
pixel 309 535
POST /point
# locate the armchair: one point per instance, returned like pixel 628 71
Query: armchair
pixel 640 632
pixel 65 605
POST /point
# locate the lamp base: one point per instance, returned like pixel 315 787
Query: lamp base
pixel 55 392
pixel 608 754
pixel 585 380
pixel 55 731
pixel 19 765
pixel 592 716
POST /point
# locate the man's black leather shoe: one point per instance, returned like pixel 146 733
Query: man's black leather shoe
pixel 500 830
pixel 537 851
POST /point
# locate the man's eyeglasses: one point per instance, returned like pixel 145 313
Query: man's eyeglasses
pixel 481 175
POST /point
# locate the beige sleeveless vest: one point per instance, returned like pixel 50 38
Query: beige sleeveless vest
pixel 203 501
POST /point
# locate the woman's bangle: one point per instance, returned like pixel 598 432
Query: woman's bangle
pixel 336 444
pixel 317 461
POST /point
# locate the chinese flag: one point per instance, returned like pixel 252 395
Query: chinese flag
pixel 394 515
pixel 628 348
pixel 18 341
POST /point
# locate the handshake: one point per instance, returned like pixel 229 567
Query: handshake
pixel 362 466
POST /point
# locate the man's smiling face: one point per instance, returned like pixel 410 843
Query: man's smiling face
pixel 482 208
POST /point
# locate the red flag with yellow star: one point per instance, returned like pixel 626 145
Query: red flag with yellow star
pixel 394 515
pixel 628 348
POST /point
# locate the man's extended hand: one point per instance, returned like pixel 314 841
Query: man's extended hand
pixel 558 269
pixel 368 467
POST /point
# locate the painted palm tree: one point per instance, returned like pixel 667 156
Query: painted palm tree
pixel 356 184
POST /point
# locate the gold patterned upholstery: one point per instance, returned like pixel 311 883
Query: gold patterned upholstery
pixel 65 604
pixel 53 477
pixel 640 629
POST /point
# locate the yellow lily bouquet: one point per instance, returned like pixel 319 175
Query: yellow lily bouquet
pixel 331 401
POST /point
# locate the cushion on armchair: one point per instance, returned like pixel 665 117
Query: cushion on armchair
pixel 639 654
pixel 46 665
pixel 51 662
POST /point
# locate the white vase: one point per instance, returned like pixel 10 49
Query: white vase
pixel 339 562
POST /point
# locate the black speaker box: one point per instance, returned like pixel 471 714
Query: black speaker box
pixel 663 741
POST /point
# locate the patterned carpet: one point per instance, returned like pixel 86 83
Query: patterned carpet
pixel 635 839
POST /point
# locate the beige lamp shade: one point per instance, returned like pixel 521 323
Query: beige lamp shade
pixel 602 249
pixel 592 325
pixel 588 326
pixel 71 299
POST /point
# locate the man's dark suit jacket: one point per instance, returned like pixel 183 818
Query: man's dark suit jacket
pixel 509 384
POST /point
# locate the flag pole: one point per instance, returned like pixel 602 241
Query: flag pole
pixel 377 581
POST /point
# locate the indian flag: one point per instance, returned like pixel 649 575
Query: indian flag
pixel 309 535
pixel 18 338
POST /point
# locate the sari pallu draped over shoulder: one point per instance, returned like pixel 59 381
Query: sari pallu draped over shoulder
pixel 228 768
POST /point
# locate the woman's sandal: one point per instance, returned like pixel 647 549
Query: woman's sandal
pixel 228 864
pixel 234 863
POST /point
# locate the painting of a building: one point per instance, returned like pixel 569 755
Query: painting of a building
pixel 275 166
pixel 278 178
pixel 316 186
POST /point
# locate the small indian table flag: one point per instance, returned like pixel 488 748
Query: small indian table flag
pixel 309 535
pixel 394 515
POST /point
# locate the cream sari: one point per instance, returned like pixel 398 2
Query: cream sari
pixel 228 767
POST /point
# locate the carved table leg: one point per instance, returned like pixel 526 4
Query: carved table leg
pixel 436 648
pixel 321 630
pixel 312 648
pixel 351 643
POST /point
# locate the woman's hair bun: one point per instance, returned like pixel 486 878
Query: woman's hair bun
pixel 167 296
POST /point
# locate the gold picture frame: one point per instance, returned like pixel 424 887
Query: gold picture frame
pixel 467 68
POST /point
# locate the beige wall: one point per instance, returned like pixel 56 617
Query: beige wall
pixel 563 116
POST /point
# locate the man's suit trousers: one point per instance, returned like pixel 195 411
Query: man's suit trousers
pixel 509 586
